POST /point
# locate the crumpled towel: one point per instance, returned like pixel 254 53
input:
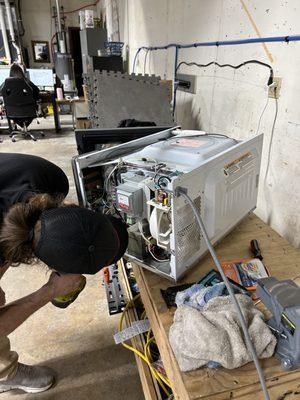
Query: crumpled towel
pixel 198 295
pixel 215 334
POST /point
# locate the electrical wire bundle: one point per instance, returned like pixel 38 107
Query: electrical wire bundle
pixel 270 82
pixel 190 64
pixel 147 355
pixel 238 66
pixel 151 249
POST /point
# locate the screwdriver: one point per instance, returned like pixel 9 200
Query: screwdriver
pixel 106 277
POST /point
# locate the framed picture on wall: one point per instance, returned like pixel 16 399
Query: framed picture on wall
pixel 40 50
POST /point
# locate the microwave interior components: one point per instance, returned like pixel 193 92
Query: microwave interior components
pixel 137 180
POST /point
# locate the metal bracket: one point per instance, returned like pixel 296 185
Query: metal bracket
pixel 114 293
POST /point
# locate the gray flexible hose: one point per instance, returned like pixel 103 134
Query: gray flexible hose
pixel 230 291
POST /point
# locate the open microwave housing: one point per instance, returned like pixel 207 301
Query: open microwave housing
pixel 137 180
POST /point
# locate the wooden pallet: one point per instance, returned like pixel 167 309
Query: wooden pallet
pixel 283 262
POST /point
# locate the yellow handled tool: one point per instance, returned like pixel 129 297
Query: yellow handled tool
pixel 65 301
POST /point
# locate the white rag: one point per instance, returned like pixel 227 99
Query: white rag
pixel 215 334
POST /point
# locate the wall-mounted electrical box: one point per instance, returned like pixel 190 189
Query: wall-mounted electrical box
pixel 274 91
pixel 187 83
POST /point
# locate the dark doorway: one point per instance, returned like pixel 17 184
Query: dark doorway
pixel 75 50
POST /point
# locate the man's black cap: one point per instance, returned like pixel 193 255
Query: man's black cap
pixel 80 241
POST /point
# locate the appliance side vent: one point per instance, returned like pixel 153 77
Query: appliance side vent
pixel 188 232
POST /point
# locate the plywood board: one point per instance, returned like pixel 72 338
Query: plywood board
pixel 283 262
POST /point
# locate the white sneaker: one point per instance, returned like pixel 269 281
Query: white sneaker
pixel 30 379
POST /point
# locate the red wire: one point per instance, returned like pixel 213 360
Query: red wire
pixel 81 8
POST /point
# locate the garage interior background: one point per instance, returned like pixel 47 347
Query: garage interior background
pixel 226 101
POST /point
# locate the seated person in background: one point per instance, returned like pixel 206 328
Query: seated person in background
pixel 17 72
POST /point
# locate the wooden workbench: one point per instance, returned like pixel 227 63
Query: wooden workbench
pixel 282 261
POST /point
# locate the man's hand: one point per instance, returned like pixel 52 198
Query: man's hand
pixel 68 203
pixel 61 285
pixel 14 314
pixel 2 298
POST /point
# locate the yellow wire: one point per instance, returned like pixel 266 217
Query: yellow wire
pixel 158 376
pixel 148 335
pixel 148 355
pixel 140 354
pixel 147 350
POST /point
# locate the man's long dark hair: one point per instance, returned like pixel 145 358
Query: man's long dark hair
pixel 16 71
pixel 16 243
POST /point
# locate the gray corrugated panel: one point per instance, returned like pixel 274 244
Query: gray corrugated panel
pixel 114 96
pixel 130 96
pixel 139 77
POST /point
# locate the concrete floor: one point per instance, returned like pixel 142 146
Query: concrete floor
pixel 77 342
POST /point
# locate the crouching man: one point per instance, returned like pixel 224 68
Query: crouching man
pixel 35 224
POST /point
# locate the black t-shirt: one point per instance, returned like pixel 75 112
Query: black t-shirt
pixel 21 175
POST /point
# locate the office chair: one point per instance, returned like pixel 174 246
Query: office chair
pixel 21 107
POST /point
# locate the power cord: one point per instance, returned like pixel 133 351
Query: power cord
pixel 145 61
pixel 189 64
pixel 261 115
pixel 195 64
pixel 161 379
pixel 183 192
pixel 272 136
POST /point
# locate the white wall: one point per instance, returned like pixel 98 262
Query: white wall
pixel 230 101
pixel 38 23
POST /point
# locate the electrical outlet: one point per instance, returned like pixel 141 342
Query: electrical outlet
pixel 274 90
pixel 186 83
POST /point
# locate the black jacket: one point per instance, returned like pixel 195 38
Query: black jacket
pixel 22 175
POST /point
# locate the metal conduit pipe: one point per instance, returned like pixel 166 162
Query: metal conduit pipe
pixel 11 30
pixel 268 39
pixel 4 35
pixel 62 45
pixel 58 16
pixel 178 46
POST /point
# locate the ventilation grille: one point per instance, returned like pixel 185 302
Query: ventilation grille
pixel 238 194
pixel 188 232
